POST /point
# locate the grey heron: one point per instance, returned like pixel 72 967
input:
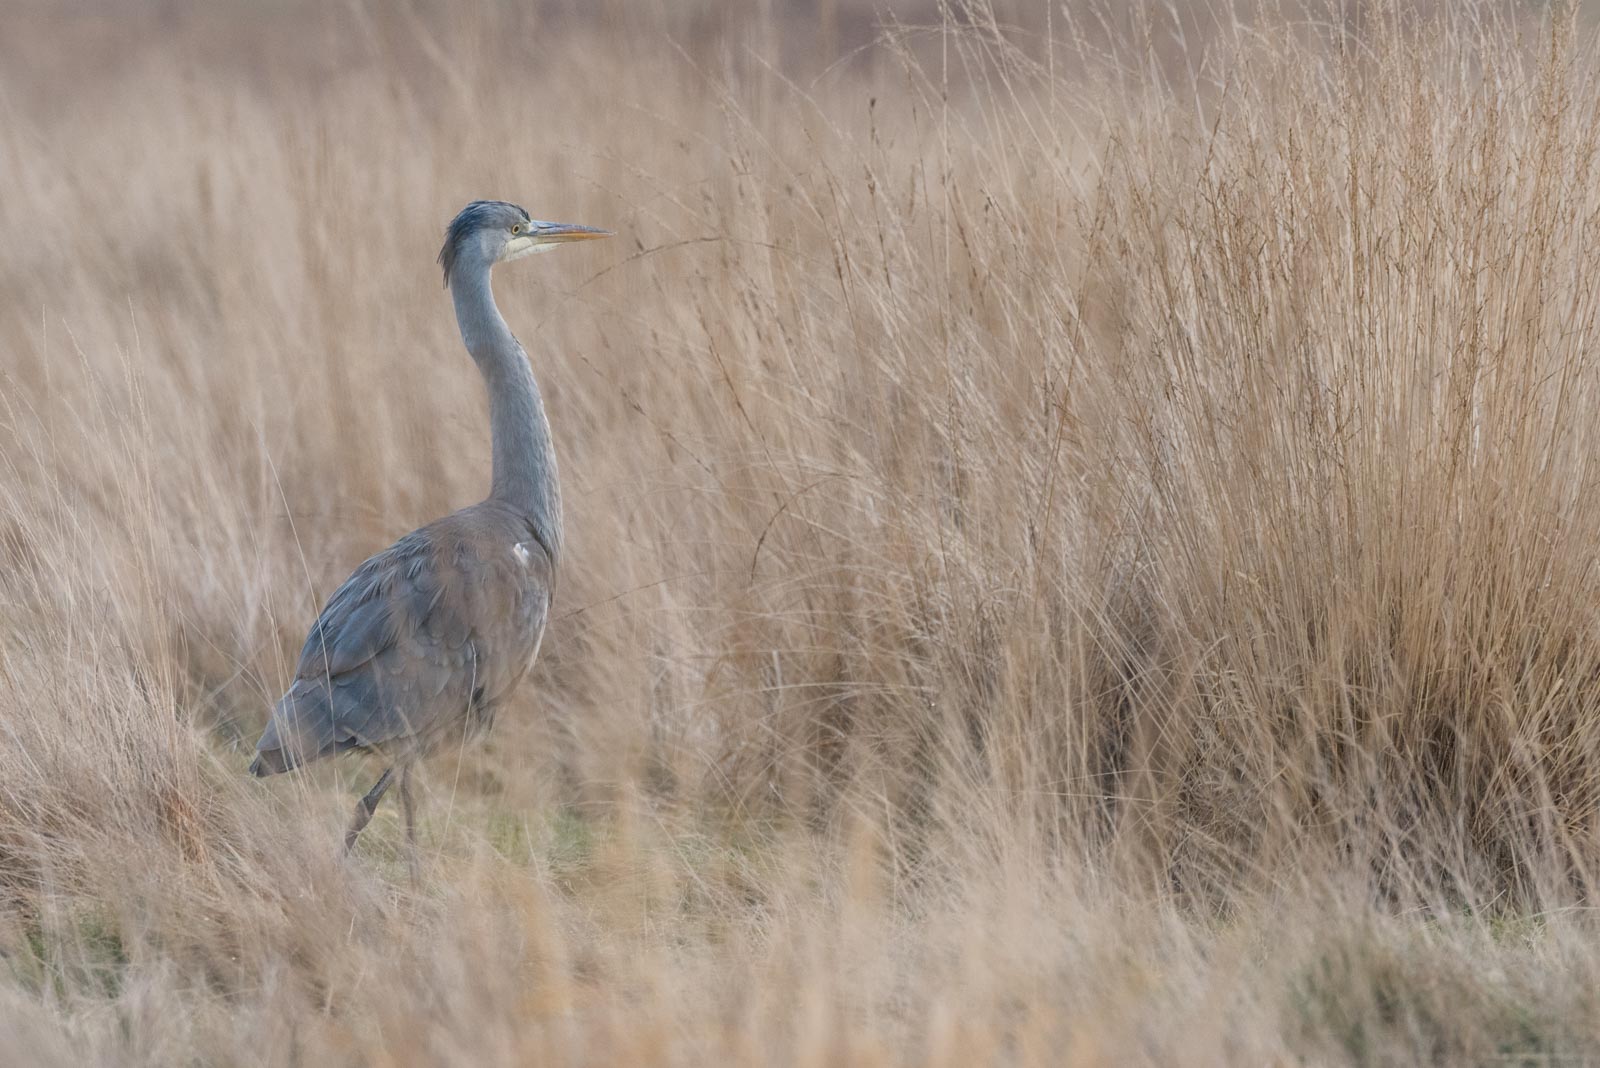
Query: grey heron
pixel 428 637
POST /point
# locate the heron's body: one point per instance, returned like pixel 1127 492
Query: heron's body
pixel 420 645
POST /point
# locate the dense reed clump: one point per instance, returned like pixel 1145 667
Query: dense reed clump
pixel 1079 533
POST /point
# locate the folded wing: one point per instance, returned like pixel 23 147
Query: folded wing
pixel 390 656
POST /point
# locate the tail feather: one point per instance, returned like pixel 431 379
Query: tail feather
pixel 270 762
pixel 300 730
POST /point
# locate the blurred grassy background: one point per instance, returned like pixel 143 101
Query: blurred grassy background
pixel 1080 531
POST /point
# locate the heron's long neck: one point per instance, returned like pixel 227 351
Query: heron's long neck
pixel 524 457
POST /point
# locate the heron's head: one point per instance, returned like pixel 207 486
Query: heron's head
pixel 487 232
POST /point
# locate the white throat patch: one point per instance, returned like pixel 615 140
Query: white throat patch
pixel 523 245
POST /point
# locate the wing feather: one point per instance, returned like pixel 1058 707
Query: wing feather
pixel 411 639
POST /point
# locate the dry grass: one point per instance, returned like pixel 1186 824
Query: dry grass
pixel 1082 534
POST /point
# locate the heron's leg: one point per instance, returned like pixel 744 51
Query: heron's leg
pixel 408 810
pixel 366 807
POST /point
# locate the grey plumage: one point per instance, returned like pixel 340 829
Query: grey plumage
pixel 426 638
pixel 479 215
pixel 426 635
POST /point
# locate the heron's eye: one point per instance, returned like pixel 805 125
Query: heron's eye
pixel 516 228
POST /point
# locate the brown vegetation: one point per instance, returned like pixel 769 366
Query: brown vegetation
pixel 1081 534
